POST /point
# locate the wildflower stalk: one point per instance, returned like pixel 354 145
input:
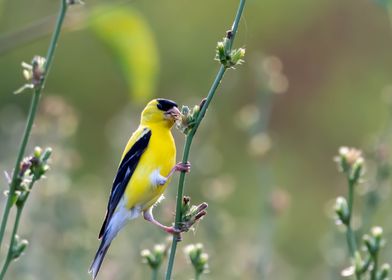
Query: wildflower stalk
pixel 9 257
pixel 31 117
pixel 22 149
pixel 10 250
pixel 351 239
pixel 19 210
pixel 375 267
pixel 192 132
pixel 15 181
pixel 154 275
pixel 364 264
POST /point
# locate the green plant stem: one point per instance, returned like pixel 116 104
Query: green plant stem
pixel 15 231
pixel 351 240
pixel 197 275
pixel 30 120
pixel 154 275
pixel 375 267
pixel 10 249
pixel 185 157
pixel 350 235
pixel 189 140
pixel 22 149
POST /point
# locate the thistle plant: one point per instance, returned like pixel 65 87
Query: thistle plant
pixel 365 262
pixel 28 171
pixel 198 258
pixel 230 58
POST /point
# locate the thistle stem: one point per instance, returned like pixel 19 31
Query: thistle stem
pixel 190 136
pixel 29 124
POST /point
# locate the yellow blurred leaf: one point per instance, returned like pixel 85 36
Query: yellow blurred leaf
pixel 128 35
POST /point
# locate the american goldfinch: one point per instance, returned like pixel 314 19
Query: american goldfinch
pixel 146 165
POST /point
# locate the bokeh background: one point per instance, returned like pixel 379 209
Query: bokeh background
pixel 317 76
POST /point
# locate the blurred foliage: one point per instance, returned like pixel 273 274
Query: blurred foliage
pixel 130 38
pixel 337 62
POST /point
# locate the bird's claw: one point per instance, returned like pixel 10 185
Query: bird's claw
pixel 183 167
pixel 175 232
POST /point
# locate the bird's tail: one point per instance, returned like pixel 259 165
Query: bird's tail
pixel 115 224
pixel 100 255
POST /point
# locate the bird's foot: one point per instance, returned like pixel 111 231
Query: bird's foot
pixel 183 167
pixel 175 232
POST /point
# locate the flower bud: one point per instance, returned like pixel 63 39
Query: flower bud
pixel 237 56
pixel 191 214
pixel 358 262
pixel 18 247
pixel 37 152
pixel 38 64
pixel 46 155
pixel 342 211
pixel 377 232
pixel 197 257
pixel 350 162
pixel 155 258
pixel 384 272
pixel 371 245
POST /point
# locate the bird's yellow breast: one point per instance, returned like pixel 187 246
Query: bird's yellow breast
pixel 160 154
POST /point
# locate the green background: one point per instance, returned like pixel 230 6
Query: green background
pixel 269 211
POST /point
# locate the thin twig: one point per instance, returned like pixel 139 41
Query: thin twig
pixel 190 136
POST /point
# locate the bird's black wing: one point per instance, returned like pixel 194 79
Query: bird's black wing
pixel 124 174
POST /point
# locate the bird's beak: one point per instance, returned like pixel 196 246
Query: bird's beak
pixel 174 113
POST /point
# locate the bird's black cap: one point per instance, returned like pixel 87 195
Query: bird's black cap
pixel 165 104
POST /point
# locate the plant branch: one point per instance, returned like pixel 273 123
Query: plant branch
pixel 15 181
pixel 190 136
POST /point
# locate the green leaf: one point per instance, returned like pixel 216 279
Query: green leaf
pixel 128 35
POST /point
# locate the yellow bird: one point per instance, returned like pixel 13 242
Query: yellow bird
pixel 147 163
